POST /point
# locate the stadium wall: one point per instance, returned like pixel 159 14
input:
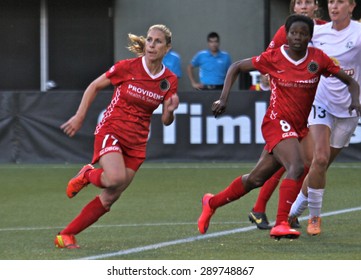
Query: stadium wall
pixel 241 25
pixel 30 129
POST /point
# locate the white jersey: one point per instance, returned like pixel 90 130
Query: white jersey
pixel 344 47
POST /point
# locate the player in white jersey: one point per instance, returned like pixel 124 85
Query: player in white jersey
pixel 330 122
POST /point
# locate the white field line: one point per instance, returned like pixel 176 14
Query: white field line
pixel 196 238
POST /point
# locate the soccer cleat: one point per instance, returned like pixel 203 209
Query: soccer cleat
pixel 260 219
pixel 67 241
pixel 78 181
pixel 293 222
pixel 207 213
pixel 284 230
pixel 314 226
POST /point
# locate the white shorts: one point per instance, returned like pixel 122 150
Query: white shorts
pixel 341 128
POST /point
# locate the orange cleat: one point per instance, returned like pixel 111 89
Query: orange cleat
pixel 67 241
pixel 314 226
pixel 284 230
pixel 207 213
pixel 78 181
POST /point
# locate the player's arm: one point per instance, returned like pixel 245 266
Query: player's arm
pixel 354 89
pixel 244 65
pixel 75 122
pixel 169 106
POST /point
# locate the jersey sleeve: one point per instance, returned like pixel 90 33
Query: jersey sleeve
pixel 330 66
pixel 114 74
pixel 263 62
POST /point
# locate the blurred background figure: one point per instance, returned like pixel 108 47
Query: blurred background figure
pixel 212 63
pixel 172 61
pixel 259 82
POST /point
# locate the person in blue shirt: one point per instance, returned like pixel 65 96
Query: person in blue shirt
pixel 172 61
pixel 213 64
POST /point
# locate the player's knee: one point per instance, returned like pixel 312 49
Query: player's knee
pixel 109 196
pixel 254 182
pixel 320 161
pixel 115 180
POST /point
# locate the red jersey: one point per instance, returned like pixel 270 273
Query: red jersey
pixel 280 38
pixel 136 95
pixel 293 84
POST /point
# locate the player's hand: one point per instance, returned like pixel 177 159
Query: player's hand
pixel 356 107
pixel 173 103
pixel 71 126
pixel 218 107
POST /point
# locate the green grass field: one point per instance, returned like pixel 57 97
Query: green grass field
pixel 155 219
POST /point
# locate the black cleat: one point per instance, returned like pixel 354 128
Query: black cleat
pixel 260 219
pixel 294 223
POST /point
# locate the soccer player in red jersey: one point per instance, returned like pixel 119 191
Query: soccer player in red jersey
pixel 294 72
pixel 308 8
pixel 258 215
pixel 140 85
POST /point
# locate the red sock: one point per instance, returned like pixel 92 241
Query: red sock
pixel 267 190
pixel 94 177
pixel 233 192
pixel 88 216
pixel 288 193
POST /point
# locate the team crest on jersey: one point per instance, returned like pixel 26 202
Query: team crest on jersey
pixel 313 67
pixel 164 85
pixel 349 45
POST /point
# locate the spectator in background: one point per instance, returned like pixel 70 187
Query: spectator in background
pixel 172 61
pixel 213 65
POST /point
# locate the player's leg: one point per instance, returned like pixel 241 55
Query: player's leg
pixel 301 202
pixel 288 152
pixel 338 137
pixel 318 118
pixel 115 179
pixel 317 175
pixel 264 169
pixel 258 212
pixel 88 174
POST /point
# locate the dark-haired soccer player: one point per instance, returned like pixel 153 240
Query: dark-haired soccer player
pixel 294 72
pixel 258 215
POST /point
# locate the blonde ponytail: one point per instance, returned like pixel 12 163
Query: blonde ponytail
pixel 136 44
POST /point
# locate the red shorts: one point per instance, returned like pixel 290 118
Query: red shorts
pixel 276 130
pixel 104 144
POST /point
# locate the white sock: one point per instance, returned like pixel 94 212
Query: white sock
pixel 315 201
pixel 299 206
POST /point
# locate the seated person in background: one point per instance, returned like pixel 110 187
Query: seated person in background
pixel 213 65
